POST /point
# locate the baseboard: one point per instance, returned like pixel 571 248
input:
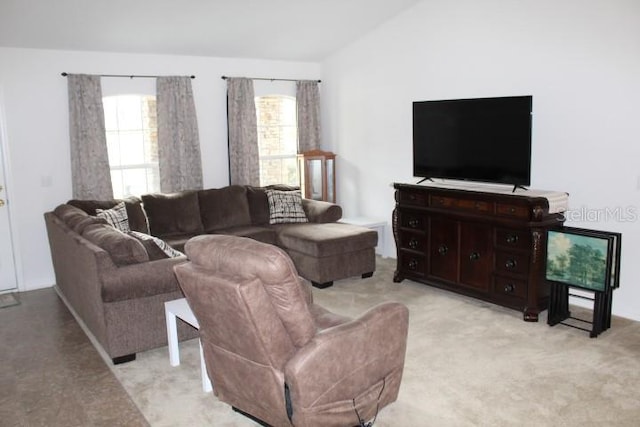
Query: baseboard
pixel 94 341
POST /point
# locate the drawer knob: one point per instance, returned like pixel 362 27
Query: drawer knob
pixel 508 288
pixel 474 256
pixel 413 264
pixel 512 238
pixel 413 223
pixel 443 249
pixel 413 243
pixel 511 263
pixel 512 210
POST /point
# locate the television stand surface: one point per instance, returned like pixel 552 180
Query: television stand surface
pixel 477 240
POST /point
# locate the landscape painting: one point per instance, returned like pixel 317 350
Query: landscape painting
pixel 579 258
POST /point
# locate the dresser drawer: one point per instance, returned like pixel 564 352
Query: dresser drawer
pixel 413 198
pixel 512 239
pixel 512 210
pixel 411 263
pixel 508 262
pixel 505 286
pixel 460 203
pixel 413 221
pixel 412 241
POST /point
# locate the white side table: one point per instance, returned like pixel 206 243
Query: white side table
pixel 180 309
pixel 374 224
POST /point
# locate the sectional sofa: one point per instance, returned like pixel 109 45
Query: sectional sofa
pixel 117 281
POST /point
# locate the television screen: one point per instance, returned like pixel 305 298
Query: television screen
pixel 481 139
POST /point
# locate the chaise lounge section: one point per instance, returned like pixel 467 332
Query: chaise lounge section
pixel 325 252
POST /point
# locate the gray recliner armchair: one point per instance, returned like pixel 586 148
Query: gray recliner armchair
pixel 272 353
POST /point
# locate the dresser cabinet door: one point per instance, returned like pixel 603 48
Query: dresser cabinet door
pixel 476 255
pixel 443 249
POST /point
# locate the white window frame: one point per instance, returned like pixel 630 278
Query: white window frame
pixel 148 167
pixel 293 156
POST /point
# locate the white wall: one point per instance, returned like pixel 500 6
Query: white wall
pixel 578 58
pixel 36 110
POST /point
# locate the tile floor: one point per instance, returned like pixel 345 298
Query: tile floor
pixel 50 373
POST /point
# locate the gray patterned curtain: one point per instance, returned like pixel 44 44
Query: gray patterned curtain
pixel 90 173
pixel 179 158
pixel 308 100
pixel 244 163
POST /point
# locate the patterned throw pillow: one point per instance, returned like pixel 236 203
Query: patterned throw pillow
pixel 285 207
pixel 116 217
pixel 168 250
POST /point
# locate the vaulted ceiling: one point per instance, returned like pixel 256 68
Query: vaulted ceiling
pixel 299 30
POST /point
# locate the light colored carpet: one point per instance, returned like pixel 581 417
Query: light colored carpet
pixel 468 363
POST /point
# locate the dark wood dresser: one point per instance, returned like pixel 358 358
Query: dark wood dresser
pixel 487 245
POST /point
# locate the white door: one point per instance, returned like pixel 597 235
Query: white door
pixel 7 263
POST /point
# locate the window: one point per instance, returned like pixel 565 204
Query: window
pixel 277 140
pixel 132 142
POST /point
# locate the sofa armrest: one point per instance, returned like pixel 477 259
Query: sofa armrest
pixel 319 211
pixel 77 265
pixel 341 362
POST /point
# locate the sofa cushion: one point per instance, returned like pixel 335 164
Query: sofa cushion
pixel 174 213
pixel 156 248
pixel 75 218
pixel 89 220
pixel 139 282
pixel 70 215
pixel 122 248
pixel 322 240
pixel 285 207
pixel 135 213
pixel 224 207
pixel 177 241
pixel 153 251
pixel 116 217
pixel 261 234
pixel 258 203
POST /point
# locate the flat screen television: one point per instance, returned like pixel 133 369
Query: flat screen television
pixel 480 139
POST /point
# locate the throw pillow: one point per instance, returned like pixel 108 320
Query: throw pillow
pixel 285 207
pixel 158 243
pixel 116 217
pixel 258 203
pixel 122 248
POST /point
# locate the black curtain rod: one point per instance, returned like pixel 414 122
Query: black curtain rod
pixel 126 75
pixel 269 79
